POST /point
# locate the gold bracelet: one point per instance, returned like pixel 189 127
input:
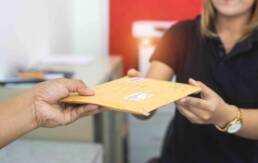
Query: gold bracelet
pixel 238 118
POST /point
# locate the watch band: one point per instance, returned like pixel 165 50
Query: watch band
pixel 238 118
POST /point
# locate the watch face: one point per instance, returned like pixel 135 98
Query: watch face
pixel 234 128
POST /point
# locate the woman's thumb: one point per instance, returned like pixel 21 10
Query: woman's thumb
pixel 205 91
pixel 133 73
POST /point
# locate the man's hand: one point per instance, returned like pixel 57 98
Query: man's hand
pixel 40 107
pixel 49 112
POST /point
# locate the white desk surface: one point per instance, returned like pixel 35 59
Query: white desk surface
pixel 38 151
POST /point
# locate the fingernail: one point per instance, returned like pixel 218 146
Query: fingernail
pixel 89 92
pixel 191 80
pixel 93 107
pixel 183 100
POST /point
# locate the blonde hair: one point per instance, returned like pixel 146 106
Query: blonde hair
pixel 209 15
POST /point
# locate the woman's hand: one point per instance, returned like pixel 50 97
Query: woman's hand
pixel 49 112
pixel 209 109
pixel 133 73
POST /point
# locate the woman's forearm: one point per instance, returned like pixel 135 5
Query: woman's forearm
pixel 250 124
pixel 16 118
pixel 212 109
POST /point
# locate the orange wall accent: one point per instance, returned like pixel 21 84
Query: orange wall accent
pixel 124 12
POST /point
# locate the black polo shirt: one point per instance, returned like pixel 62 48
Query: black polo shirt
pixel 234 76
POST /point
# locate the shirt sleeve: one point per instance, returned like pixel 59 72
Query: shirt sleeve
pixel 170 49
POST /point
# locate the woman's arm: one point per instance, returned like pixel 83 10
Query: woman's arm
pixel 40 107
pixel 161 71
pixel 211 109
pixel 250 124
pixel 157 70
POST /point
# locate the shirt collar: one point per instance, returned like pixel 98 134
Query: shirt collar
pixel 251 38
pixel 242 46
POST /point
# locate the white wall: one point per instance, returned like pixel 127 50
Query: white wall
pixel 91 26
pixel 60 22
pixel 23 31
pixel 33 28
pixel 79 26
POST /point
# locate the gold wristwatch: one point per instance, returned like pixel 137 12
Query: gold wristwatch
pixel 234 125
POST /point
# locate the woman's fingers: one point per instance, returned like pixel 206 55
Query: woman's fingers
pixel 133 73
pixel 205 90
pixel 199 107
pixel 196 103
pixel 188 114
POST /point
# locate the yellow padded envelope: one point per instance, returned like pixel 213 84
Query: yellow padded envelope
pixel 135 95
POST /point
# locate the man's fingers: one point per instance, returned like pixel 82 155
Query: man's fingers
pixel 76 86
pixel 133 73
pixel 81 88
pixel 87 110
pixel 84 91
pixel 71 114
pixel 91 112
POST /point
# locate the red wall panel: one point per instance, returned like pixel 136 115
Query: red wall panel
pixel 124 12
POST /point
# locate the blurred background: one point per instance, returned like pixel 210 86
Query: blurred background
pixel 95 41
